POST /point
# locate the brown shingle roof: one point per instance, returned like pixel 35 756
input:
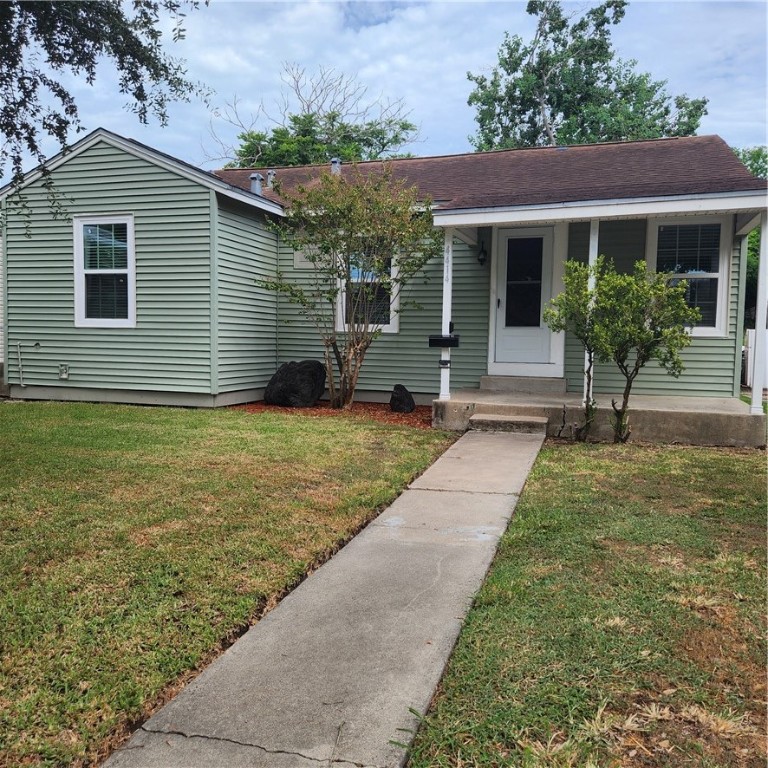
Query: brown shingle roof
pixel 692 165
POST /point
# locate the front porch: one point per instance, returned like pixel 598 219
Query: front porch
pixel 722 421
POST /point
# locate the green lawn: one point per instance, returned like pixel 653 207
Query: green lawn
pixel 135 543
pixel 623 622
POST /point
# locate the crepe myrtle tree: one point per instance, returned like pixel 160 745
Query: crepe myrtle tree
pixel 628 319
pixel 366 236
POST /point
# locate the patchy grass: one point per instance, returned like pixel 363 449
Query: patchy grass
pixel 135 543
pixel 623 621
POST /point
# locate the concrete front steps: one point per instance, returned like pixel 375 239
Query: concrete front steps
pixel 535 404
pixel 498 422
pixel 725 421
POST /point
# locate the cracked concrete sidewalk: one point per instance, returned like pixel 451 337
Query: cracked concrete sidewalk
pixel 329 678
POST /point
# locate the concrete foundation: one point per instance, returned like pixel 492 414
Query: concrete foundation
pixel 687 420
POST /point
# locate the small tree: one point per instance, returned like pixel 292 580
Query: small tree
pixel 639 317
pixel 627 319
pixel 366 236
pixel 573 311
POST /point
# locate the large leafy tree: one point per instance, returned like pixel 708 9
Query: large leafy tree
pixel 566 86
pixel 756 161
pixel 365 236
pixel 312 139
pixel 320 116
pixel 44 43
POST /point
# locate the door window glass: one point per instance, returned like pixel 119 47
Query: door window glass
pixel 523 289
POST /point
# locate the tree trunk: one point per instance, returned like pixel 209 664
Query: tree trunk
pixel 546 121
pixel 582 432
pixel 621 430
pixel 354 362
pixel 331 347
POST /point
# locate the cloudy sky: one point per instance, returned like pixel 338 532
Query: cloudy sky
pixel 421 51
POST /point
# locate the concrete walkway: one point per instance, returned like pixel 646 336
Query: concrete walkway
pixel 329 676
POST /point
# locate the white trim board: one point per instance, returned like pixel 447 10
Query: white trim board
pixel 696 205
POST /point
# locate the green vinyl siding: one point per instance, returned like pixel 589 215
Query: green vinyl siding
pixel 247 314
pixel 405 357
pixel 169 349
pixel 710 363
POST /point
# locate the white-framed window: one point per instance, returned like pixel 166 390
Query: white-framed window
pixel 369 298
pixel 105 272
pixel 697 250
pixel 300 261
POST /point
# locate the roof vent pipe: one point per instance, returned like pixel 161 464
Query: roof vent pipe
pixel 271 178
pixel 335 166
pixel 256 179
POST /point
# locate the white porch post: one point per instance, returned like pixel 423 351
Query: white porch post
pixel 445 355
pixel 594 236
pixel 759 364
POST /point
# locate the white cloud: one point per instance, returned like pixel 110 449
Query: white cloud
pixel 422 51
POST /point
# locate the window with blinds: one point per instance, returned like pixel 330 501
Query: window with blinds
pixel 104 271
pixel 691 252
pixel 369 301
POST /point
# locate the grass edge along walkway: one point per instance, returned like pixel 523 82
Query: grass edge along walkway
pixel 622 622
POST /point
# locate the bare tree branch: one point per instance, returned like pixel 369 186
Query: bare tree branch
pixel 334 100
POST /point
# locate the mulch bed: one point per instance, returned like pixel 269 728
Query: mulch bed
pixel 421 418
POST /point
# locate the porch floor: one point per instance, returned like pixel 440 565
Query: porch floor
pixel 722 421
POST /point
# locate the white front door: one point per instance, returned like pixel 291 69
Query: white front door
pixel 523 287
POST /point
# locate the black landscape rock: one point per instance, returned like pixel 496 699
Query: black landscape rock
pixel 296 385
pixel 401 400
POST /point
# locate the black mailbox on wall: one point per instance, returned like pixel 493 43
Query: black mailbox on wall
pixel 444 341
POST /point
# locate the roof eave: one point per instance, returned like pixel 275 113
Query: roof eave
pixel 603 209
pixel 164 161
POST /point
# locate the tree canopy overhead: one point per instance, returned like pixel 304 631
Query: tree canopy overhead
pixel 322 115
pixel 566 86
pixel 43 42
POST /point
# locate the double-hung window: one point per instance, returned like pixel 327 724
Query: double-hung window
pixel 697 251
pixel 105 272
pixel 370 299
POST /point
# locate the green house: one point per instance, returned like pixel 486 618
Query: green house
pixel 146 293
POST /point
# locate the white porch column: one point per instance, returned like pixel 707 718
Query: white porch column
pixel 761 312
pixel 594 237
pixel 445 354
